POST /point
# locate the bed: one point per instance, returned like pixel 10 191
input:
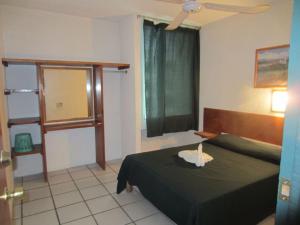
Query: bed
pixel 239 187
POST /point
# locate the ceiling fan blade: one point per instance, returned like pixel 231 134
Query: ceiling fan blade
pixel 238 9
pixel 177 21
pixel 172 1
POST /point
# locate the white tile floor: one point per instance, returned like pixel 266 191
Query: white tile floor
pixel 86 195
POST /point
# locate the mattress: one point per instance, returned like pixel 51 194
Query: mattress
pixel 233 189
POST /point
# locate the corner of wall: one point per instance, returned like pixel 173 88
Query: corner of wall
pixel 131 85
pixel 228 58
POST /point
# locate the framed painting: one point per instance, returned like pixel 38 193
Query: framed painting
pixel 271 67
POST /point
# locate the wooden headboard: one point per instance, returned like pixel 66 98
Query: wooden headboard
pixel 260 127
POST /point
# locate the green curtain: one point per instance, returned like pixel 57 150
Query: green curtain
pixel 171 79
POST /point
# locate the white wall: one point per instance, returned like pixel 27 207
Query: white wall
pixel 227 51
pixel 40 34
pixel 168 140
pixel 131 85
pixel 228 58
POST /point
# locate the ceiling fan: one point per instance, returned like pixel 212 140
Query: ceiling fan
pixel 192 6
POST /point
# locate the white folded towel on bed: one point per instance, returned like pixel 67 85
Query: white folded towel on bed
pixel 197 157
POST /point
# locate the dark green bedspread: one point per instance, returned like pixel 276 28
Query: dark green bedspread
pixel 233 189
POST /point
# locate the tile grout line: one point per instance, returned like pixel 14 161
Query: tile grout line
pixel 51 194
pixel 45 211
pixel 40 197
pixel 34 188
pixel 38 212
pixel 75 202
pixel 84 216
pixel 133 221
pixel 121 206
pixel 22 205
pixel 93 175
pixel 69 205
pixel 69 181
pixel 146 217
pixel 70 174
pixel 132 203
pixel 113 196
pixel 51 197
pixel 112 168
pixel 48 210
pixel 71 221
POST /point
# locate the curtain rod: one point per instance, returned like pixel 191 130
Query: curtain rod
pixel 159 20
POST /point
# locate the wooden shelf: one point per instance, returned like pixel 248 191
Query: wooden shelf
pixel 40 64
pixel 119 66
pixel 205 134
pixel 71 125
pixel 23 121
pixel 37 149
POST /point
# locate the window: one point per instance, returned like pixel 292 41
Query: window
pixel 171 61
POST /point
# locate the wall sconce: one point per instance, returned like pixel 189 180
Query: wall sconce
pixel 279 101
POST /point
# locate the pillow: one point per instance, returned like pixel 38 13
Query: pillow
pixel 260 150
pixel 262 142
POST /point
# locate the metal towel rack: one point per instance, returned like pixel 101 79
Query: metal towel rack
pixel 14 91
pixel 115 71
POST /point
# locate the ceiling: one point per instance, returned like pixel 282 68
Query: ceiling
pixel 116 8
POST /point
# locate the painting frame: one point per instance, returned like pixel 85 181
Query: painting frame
pixel 271 82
